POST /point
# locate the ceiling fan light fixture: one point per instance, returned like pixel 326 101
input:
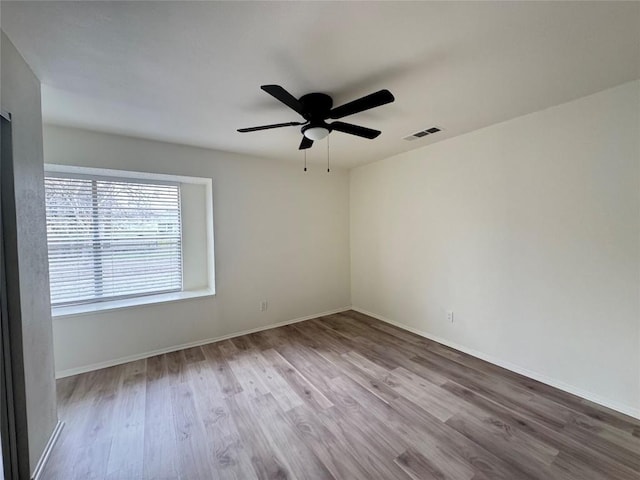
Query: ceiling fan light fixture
pixel 315 133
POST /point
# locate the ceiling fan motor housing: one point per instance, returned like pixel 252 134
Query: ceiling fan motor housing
pixel 316 106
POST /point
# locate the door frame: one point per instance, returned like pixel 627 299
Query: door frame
pixel 7 404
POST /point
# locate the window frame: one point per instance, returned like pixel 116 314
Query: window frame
pixel 207 290
pixel 94 193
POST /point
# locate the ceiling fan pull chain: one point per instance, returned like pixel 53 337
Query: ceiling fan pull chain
pixel 328 170
pixel 305 160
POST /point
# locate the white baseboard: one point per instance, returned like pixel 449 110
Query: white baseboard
pixel 592 397
pixel 47 451
pixel 131 358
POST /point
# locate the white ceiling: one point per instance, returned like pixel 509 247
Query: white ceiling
pixel 190 72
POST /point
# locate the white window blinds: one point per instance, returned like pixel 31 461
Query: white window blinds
pixel 111 238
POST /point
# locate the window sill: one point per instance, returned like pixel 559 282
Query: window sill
pixel 99 307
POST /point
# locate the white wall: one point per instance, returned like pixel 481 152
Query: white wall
pixel 529 231
pixel 26 248
pixel 280 235
pixel 193 198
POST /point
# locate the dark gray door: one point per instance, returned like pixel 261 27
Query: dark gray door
pixel 7 414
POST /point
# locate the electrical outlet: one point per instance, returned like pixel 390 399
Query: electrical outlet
pixel 450 315
pixel 263 306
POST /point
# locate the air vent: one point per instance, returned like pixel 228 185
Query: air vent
pixel 422 133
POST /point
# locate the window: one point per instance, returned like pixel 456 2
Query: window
pixel 112 238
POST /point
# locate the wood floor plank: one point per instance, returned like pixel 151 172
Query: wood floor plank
pixel 160 460
pixel 261 340
pixel 566 466
pixel 65 388
pixel 317 330
pixel 623 439
pixel 627 455
pixel 580 453
pixel 258 378
pixel 61 463
pixel 286 396
pixel 191 444
pixel 297 382
pixel 371 383
pixel 251 383
pixel 337 457
pixel 242 343
pixel 343 396
pixel 127 445
pixel 376 352
pixel 361 404
pixel 370 449
pixel 92 455
pixel 85 389
pixel 515 447
pixel 485 463
pixel 227 455
pixel 176 367
pixel 419 467
pixel 268 463
pixel 91 460
pixel 193 354
pixel 300 458
pixel 310 363
pixel 485 385
pixel 442 404
pixel 277 337
pixel 227 380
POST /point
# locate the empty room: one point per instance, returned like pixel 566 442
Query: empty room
pixel 320 240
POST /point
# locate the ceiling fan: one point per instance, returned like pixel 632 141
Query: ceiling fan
pixel 316 108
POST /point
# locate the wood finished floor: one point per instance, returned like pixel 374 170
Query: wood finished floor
pixel 344 397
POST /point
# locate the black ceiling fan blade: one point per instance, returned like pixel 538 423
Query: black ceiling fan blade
pixel 365 132
pixel 267 127
pixel 367 102
pixel 285 97
pixel 305 143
